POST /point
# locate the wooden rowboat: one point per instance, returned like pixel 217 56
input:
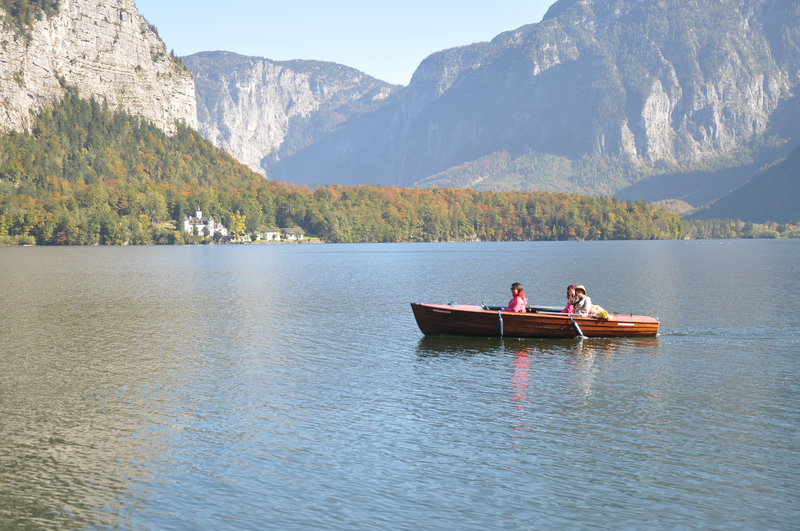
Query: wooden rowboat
pixel 539 322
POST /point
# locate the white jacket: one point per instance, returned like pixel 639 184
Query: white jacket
pixel 582 304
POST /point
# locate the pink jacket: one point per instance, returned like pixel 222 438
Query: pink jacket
pixel 517 304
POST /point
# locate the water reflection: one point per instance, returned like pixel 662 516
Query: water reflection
pixel 457 346
pixel 589 354
pixel 542 368
pixel 586 349
pixel 521 378
pixel 520 382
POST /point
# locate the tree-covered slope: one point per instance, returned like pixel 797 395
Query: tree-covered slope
pixel 773 194
pixel 86 175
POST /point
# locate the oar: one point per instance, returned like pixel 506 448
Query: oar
pixel 576 327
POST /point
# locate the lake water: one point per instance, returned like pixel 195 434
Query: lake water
pixel 288 387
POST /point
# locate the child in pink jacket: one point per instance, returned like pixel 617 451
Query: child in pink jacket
pixel 518 300
pixel 569 308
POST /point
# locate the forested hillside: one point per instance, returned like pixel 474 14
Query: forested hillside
pixel 773 194
pixel 85 175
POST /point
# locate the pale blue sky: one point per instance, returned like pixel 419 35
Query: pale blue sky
pixel 386 40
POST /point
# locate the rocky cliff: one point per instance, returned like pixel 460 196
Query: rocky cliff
pixel 607 91
pixel 260 110
pixel 105 49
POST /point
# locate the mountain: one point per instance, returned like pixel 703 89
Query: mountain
pixel 599 95
pixel 261 110
pixel 104 48
pixel 701 186
pixel 772 194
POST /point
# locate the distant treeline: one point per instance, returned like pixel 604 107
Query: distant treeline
pixel 727 229
pixel 85 175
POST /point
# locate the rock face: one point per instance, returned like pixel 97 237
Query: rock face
pixel 645 83
pixel 105 49
pixel 259 110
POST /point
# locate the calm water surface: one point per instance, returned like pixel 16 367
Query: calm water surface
pixel 288 387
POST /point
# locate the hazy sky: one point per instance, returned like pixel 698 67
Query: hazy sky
pixel 386 40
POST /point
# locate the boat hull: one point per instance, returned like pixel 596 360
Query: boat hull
pixel 469 320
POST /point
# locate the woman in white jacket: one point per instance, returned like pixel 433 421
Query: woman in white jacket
pixel 581 303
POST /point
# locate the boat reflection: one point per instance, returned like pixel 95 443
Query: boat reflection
pixel 537 370
pixel 584 356
pixel 521 378
pixel 589 355
pixel 582 349
pixel 520 383
pixel 444 346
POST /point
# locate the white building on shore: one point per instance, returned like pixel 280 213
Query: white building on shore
pixel 273 235
pixel 199 223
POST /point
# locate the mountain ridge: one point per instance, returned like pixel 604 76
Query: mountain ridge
pixel 258 109
pixel 623 83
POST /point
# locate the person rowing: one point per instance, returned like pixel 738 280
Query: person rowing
pixel 518 299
